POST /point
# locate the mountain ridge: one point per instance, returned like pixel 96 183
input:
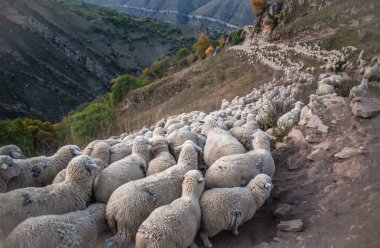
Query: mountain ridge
pixel 218 14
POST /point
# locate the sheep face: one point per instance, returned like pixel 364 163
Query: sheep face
pixel 69 151
pixel 79 168
pixel 193 184
pixel 8 169
pixel 261 182
pixel 188 151
pixel 261 140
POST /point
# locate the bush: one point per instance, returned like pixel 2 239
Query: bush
pixel 122 85
pixel 94 121
pixel 182 53
pixel 238 37
pixel 158 69
pixel 202 45
pixel 34 137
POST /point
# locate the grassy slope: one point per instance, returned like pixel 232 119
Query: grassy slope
pixel 202 86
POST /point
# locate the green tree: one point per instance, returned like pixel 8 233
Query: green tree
pixel 182 53
pixel 122 85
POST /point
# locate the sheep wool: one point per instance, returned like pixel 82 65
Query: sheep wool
pixel 12 151
pixel 228 208
pixel 290 119
pixel 41 171
pixel 68 196
pixel 133 202
pixel 75 229
pixel 120 151
pixel 219 143
pixel 8 170
pixel 175 225
pixel 100 155
pixel 131 168
pixel 237 170
pixel 162 157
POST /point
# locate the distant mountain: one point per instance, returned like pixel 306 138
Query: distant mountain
pixel 54 57
pixel 218 14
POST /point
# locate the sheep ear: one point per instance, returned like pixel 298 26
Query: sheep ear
pixel 201 179
pixel 271 138
pixel 268 185
pixel 149 142
pixel 3 166
pixel 178 148
pixel 198 149
pixel 76 152
pixel 16 154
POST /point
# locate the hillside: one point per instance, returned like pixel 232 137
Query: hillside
pixel 216 14
pixel 63 55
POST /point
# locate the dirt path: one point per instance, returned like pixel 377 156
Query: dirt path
pixel 337 200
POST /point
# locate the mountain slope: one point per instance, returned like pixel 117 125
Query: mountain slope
pixel 53 58
pixel 217 14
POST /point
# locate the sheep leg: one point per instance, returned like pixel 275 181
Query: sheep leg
pixel 193 245
pixel 110 242
pixel 206 241
pixel 236 222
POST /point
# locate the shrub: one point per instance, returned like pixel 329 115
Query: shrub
pixel 94 121
pixel 160 67
pixel 34 137
pixel 201 46
pixel 238 37
pixel 182 53
pixel 122 85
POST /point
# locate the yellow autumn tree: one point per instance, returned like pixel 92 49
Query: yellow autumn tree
pixel 209 50
pixel 202 45
pixel 258 6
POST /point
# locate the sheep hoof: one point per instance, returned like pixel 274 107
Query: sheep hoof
pixel 236 232
pixel 205 240
pixel 110 242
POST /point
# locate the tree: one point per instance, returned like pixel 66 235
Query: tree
pixel 202 45
pixel 182 53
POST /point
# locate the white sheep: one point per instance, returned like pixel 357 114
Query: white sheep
pixel 175 225
pixel 360 90
pixel 75 229
pixel 131 168
pixel 228 208
pixel 290 119
pixel 372 73
pixel 325 89
pixel 219 143
pixel 162 157
pixel 238 169
pixel 70 195
pixel 120 151
pixel 100 155
pixel 8 170
pixel 175 126
pixel 133 202
pixel 12 151
pixel 41 171
pixel 180 136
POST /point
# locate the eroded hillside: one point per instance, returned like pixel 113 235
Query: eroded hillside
pixel 54 57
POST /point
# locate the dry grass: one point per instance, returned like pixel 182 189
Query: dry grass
pixel 201 86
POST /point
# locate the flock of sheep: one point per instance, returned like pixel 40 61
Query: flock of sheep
pixel 161 186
